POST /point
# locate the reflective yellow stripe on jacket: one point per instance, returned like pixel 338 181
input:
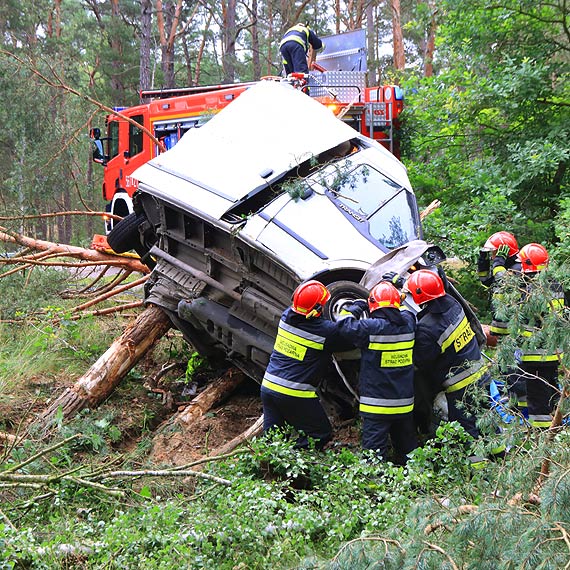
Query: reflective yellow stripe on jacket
pixel 466 377
pixel 294 38
pixel 293 342
pixel 458 334
pixel 396 349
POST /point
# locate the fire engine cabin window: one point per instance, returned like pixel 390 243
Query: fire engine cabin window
pixel 113 139
pixel 135 136
pixel 378 206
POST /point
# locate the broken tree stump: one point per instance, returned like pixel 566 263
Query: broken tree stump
pixel 104 376
pixel 171 436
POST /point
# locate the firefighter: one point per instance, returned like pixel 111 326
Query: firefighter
pixel 446 350
pixel 539 366
pixel 497 257
pixel 294 48
pixel 305 339
pixel 386 371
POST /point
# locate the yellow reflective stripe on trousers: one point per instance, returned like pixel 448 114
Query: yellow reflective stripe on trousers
pixel 386 409
pixel 458 334
pixel 386 405
pixel 478 462
pixel 499 327
pixel 542 421
pixel 541 357
pixel 288 391
pixel 498 449
pixel 458 381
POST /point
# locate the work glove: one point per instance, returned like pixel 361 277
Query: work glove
pixel 357 308
pixel 503 251
pixel 394 278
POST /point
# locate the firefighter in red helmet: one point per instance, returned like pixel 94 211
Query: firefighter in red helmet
pixel 304 342
pixel 539 366
pixel 386 382
pixel 498 256
pixel 446 349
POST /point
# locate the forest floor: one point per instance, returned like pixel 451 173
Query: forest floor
pixel 140 406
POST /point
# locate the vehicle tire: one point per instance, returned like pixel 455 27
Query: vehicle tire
pixel 125 235
pixel 342 293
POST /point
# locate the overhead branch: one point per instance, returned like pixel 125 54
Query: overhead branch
pixel 58 83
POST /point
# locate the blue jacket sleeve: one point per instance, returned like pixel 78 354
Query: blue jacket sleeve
pixel 351 333
pixel 315 41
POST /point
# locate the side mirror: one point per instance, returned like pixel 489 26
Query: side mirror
pixel 95 133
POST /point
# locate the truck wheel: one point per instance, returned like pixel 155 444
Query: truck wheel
pixel 125 235
pixel 342 293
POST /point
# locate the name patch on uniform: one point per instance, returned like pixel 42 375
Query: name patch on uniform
pixel 289 348
pixel 396 358
pixel 463 335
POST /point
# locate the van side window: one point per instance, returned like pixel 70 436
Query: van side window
pixel 135 136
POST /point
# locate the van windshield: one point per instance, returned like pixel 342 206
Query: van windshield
pixel 378 206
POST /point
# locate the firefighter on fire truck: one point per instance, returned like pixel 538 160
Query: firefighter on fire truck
pixel 294 48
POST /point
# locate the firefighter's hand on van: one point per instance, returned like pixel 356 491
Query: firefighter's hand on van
pixel 503 251
pixel 394 278
pixel 357 308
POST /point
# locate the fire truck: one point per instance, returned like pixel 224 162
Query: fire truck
pixel 338 80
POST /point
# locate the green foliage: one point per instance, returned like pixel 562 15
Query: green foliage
pixel 195 363
pixel 285 506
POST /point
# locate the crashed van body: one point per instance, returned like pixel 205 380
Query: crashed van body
pixel 272 191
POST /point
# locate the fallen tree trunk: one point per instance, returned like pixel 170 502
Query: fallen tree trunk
pixel 104 376
pixel 171 437
pixel 88 255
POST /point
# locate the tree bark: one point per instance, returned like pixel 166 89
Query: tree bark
pixel 168 18
pixel 89 255
pixel 103 377
pixel 229 34
pixel 430 43
pixel 255 61
pixel 116 55
pixel 398 37
pixel 145 45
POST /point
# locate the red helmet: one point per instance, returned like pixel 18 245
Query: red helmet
pixel 534 257
pixel 425 285
pixel 502 238
pixel 309 298
pixel 384 295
